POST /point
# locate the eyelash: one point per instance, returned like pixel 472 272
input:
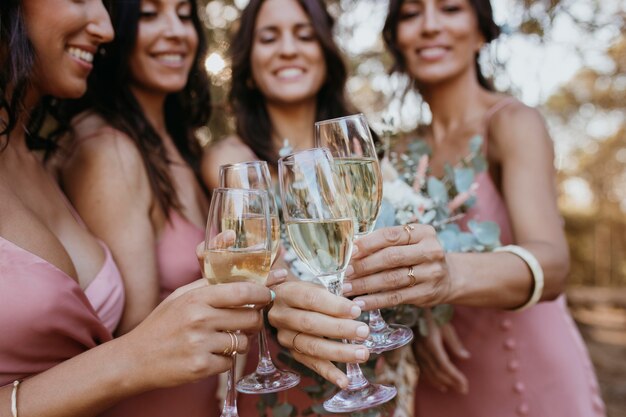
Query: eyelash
pixel 152 15
pixel 412 14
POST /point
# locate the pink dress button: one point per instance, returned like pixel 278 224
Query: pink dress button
pixel 510 344
pixel 523 409
pixel 513 365
pixel 506 324
pixel 519 387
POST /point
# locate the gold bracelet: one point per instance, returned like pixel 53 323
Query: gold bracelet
pixel 16 384
pixel 535 269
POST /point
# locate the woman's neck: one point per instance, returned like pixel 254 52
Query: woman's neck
pixel 293 122
pixel 454 103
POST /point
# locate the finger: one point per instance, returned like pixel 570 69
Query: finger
pixel 311 322
pixel 448 373
pixel 453 342
pixel 199 283
pixel 427 367
pixel 276 276
pixel 244 319
pixel 424 251
pixel 237 294
pixel 312 297
pixel 324 368
pixel 437 374
pixel 222 342
pixel 220 363
pixel 323 348
pixel 389 237
pixel 393 279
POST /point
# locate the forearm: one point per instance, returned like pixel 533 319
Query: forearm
pixel 503 280
pixel 83 386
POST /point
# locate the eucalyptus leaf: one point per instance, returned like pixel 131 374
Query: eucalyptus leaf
pixel 449 240
pixel 386 215
pixel 487 233
pixel 466 241
pixel 428 217
pixel 475 144
pixel 437 190
pixel 448 170
pixel 479 163
pixel 463 179
pixel 452 227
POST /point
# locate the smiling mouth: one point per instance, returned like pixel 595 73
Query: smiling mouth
pixel 81 54
pixel 289 72
pixel 171 58
pixel 432 52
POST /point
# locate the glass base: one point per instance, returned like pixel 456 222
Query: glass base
pixel 371 395
pixel 389 337
pixel 275 381
pixel 229 411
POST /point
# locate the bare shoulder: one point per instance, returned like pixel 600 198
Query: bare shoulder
pixel 229 150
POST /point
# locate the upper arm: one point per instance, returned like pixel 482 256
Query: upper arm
pixel 228 151
pixel 106 181
pixel 528 180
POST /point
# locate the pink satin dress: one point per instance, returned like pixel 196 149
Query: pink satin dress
pixel 45 317
pixel 178 266
pixel 530 363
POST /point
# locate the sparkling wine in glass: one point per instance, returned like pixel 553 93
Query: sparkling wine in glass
pixel 238 247
pixel 267 377
pixel 320 226
pixel 350 143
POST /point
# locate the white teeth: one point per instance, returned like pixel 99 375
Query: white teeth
pixel 432 52
pixel 290 72
pixel 80 54
pixel 171 58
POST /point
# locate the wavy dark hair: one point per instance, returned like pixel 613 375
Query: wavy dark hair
pixel 109 95
pixel 484 14
pixel 17 56
pixel 252 119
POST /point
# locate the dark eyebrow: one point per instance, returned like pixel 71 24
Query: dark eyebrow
pixel 274 28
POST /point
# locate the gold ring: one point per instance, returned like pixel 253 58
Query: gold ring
pixel 234 344
pixel 412 278
pixel 408 228
pixel 293 343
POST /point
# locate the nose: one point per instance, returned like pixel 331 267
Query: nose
pixel 288 45
pixel 100 26
pixel 175 27
pixel 431 22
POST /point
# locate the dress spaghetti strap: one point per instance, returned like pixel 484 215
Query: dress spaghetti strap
pixel 491 111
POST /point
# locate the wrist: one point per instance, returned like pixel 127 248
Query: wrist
pixel 456 279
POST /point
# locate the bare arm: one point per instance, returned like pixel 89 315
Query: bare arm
pixel 228 151
pixel 107 183
pixel 500 280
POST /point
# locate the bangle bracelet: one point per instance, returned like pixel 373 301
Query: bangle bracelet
pixel 535 269
pixel 16 384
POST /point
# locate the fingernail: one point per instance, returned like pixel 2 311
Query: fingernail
pixel 355 311
pixel 360 354
pixel 465 354
pixel 362 331
pixel 279 273
pixel 349 270
pixel 360 303
pixel 347 287
pixel 342 383
pixel 355 250
pixel 272 296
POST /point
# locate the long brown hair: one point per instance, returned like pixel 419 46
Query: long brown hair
pixel 484 14
pixel 252 119
pixel 109 95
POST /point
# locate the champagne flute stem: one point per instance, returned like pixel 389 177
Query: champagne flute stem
pixel 230 403
pixel 265 366
pixel 376 321
pixel 356 379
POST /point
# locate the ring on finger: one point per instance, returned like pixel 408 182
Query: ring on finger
pixel 408 228
pixel 412 278
pixel 234 345
pixel 293 343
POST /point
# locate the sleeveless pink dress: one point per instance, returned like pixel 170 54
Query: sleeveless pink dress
pixel 45 316
pixel 178 266
pixel 529 363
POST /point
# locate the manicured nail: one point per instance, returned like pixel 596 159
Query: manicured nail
pixel 360 354
pixel 342 383
pixel 360 303
pixel 272 296
pixel 347 287
pixel 362 331
pixel 465 354
pixel 355 311
pixel 349 270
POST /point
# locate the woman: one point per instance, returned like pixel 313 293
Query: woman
pixel 530 362
pixel 61 294
pixel 287 74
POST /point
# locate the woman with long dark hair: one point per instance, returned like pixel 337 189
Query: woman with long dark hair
pixel 61 294
pixel 513 356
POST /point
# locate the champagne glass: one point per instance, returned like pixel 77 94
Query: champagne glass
pixel 320 226
pixel 351 145
pixel 266 378
pixel 238 247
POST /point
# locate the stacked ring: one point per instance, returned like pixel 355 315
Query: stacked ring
pixel 412 278
pixel 234 345
pixel 293 343
pixel 408 228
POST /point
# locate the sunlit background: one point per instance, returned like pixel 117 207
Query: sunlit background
pixel 566 57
